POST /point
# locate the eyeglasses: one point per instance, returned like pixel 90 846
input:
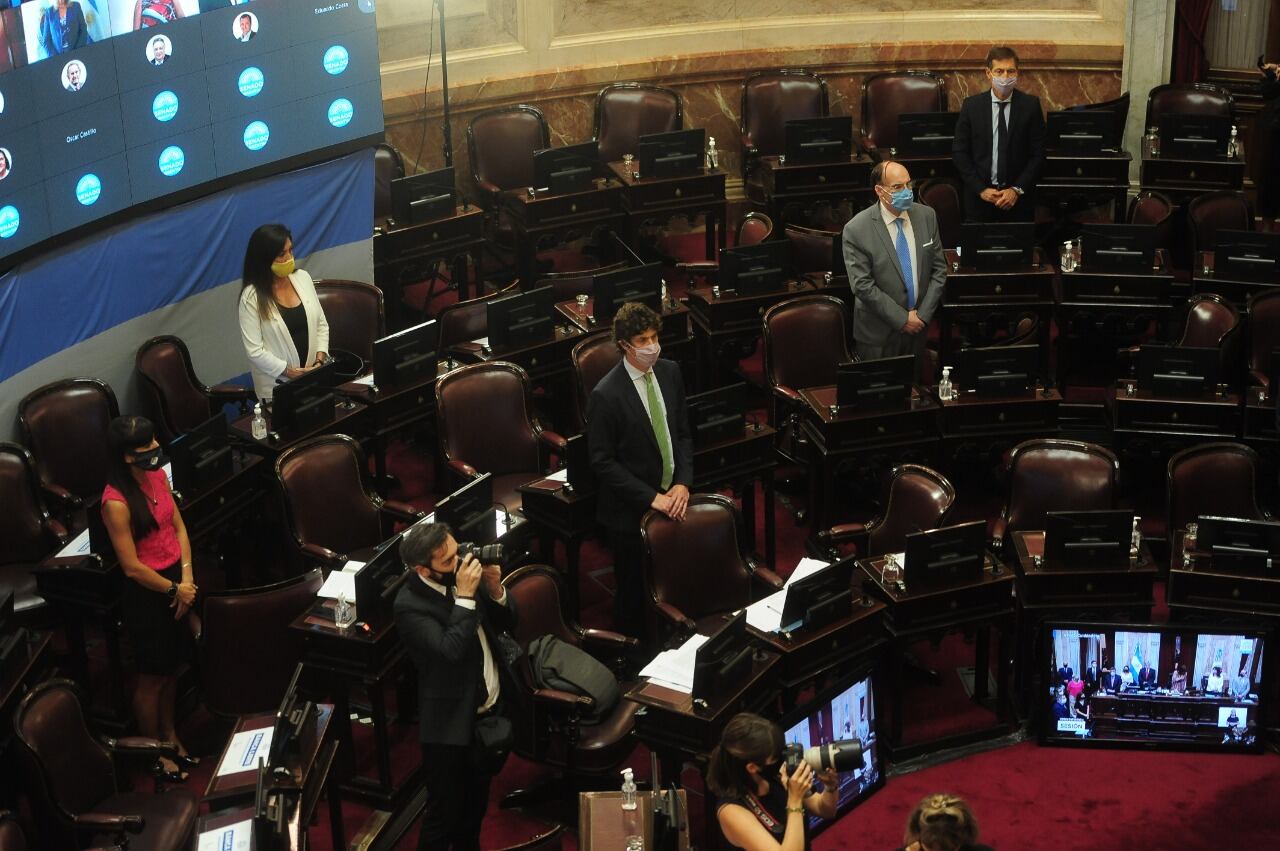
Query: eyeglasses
pixel 897 187
pixel 1004 72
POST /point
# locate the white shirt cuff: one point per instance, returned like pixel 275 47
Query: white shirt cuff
pixel 466 604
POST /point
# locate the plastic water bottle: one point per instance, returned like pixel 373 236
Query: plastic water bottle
pixel 1233 144
pixel 1151 143
pixel 259 427
pixel 630 818
pixel 1135 541
pixel 946 390
pixel 628 789
pixel 344 614
pixel 713 156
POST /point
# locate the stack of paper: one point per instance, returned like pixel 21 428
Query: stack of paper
pixel 766 615
pixel 341 583
pixel 673 669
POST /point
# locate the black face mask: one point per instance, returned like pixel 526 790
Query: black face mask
pixel 152 459
pixel 448 580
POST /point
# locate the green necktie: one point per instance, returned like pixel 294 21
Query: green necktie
pixel 659 424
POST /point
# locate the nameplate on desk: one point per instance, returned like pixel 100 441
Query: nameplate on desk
pixel 244 751
pixel 233 837
pixel 79 546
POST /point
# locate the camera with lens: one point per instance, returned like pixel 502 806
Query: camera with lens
pixel 842 756
pixel 484 553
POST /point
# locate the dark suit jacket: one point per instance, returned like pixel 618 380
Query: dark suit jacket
pixel 1064 673
pixel 1147 676
pixel 440 637
pixel 971 148
pixel 1091 675
pixel 1111 682
pixel 624 451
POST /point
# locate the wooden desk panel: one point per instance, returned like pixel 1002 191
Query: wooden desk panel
pixel 602 821
pixel 411 253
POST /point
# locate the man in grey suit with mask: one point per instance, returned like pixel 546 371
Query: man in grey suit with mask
pixel 897 269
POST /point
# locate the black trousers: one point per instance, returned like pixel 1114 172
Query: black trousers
pixel 628 574
pixel 457 797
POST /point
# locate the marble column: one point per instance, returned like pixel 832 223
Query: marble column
pixel 1148 55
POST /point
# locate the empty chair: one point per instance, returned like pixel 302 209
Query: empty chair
pixel 1213 478
pixel 804 339
pixel 64 424
pixel 179 401
pixel 388 165
pixel 464 321
pixel 917 499
pixel 1212 212
pixel 356 315
pixel 943 195
pixel 29 533
pixel 1154 208
pixel 626 111
pixel 886 96
pixel 1187 99
pixel 1056 475
pixel 814 250
pixel 1264 336
pixel 568 285
pixel 501 143
pixel 753 229
pixel 769 100
pixel 592 359
pixel 1211 323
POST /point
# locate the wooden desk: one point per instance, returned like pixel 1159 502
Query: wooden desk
pixel 790 189
pixel 348 418
pixel 1073 183
pixel 912 615
pixel 1204 279
pixel 546 220
pixel 219 510
pixel 393 412
pixel 653 201
pixel 411 253
pixel 1193 717
pixel 976 429
pixel 542 360
pixel 1149 428
pixel 602 821
pixel 920 166
pixel 812 656
pixel 985 308
pixel 1182 180
pixel 1197 590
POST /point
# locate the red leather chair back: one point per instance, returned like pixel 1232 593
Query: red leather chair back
pixel 804 339
pixel 467 320
pixel 236 626
pixel 754 229
pixel 1118 107
pixel 64 424
pixel 1214 211
pixel 387 166
pixel 502 142
pixel 813 250
pixel 888 95
pixel 592 359
pixel 1058 475
pixel 1211 322
pixel 177 397
pixel 698 564
pixel 943 195
pixel 355 313
pixel 919 499
pixel 22 522
pixel 1212 478
pixel 537 594
pixel 11 837
pixel 484 417
pixel 627 111
pixel 567 285
pixel 1154 208
pixel 1188 99
pixel 1264 331
pixel 772 98
pixel 326 499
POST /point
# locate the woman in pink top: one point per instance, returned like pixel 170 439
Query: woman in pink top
pixel 154 552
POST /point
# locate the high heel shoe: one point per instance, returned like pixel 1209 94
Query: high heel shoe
pixel 176 775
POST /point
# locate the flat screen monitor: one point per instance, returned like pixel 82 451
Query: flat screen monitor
pixel 946 557
pixel 611 290
pixel 991 246
pixel 1080 132
pixel 1193 137
pixel 127 119
pixel 382 568
pixel 423 197
pixel 521 319
pixel 577 461
pixel 1178 371
pixel 926 133
pixel 717 415
pixel 1238 545
pixel 998 370
pixel 755 269
pixel 1087 539
pixel 306 402
pixel 844 710
pixel 882 384
pixel 468 511
pixel 1118 248
pixel 566 169
pixel 673 154
pixel 1247 255
pixel 820 597
pixel 12 638
pixel 1162 687
pixel 723 659
pixel 201 456
pixel 818 140
pixel 291 722
pixel 407 357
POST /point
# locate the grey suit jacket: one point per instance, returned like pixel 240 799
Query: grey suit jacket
pixel 879 289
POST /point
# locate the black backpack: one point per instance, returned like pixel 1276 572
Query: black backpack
pixel 559 665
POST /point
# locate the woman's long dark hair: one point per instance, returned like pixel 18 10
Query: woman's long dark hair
pixel 746 738
pixel 264 247
pixel 126 435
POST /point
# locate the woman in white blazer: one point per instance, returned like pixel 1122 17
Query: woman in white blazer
pixel 282 324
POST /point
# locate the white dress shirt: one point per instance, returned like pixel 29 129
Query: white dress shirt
pixel 638 382
pixel 995 123
pixel 890 222
pixel 491 682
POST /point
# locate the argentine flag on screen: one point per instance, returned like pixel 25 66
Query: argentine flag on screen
pixel 99 24
pixel 1136 662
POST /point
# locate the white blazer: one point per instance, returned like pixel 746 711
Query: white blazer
pixel 267 341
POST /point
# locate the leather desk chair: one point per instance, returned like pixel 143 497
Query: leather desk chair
pixel 388 165
pixel 552 727
pixel 917 498
pixel 567 285
pixel 626 111
pixel 178 399
pixel 943 195
pixel 1264 336
pixel 1217 478
pixel 355 313
pixel 769 100
pixel 235 626
pixel 753 229
pixel 1188 99
pixel 468 320
pixel 1155 208
pixel 888 95
pixel 698 569
pixel 1211 323
pixel 813 250
pixel 30 535
pixel 592 359
pixel 501 143
pixel 71 779
pixel 11 837
pixel 64 424
pixel 1212 212
pixel 484 416
pixel 328 505
pixel 1056 475
pixel 805 339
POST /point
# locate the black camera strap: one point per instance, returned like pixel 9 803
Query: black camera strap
pixel 753 803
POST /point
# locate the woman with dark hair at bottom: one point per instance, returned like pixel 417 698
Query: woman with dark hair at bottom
pixel 942 823
pixel 154 552
pixel 762 807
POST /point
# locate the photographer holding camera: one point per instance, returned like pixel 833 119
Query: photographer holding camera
pixel 449 618
pixel 762 802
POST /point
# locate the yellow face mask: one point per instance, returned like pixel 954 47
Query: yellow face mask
pixel 283 270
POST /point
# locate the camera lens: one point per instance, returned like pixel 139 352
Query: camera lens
pixel 486 554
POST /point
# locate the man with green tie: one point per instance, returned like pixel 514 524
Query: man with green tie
pixel 641 451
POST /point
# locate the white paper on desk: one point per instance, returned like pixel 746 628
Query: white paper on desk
pixel 561 475
pixel 233 837
pixel 766 615
pixel 483 342
pixel 341 582
pixel 366 380
pixel 673 669
pixel 805 568
pixel 79 546
pixel 244 751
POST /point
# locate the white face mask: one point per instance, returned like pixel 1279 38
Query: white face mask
pixel 1004 85
pixel 646 356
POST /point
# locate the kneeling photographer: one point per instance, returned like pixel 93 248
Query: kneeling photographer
pixel 765 786
pixel 449 617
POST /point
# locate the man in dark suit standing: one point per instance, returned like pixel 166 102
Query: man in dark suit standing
pixel 641 451
pixel 1091 677
pixel 1146 676
pixel 447 616
pixel 1065 672
pixel 999 145
pixel 1110 681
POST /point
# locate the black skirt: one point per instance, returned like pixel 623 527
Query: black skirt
pixel 159 642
